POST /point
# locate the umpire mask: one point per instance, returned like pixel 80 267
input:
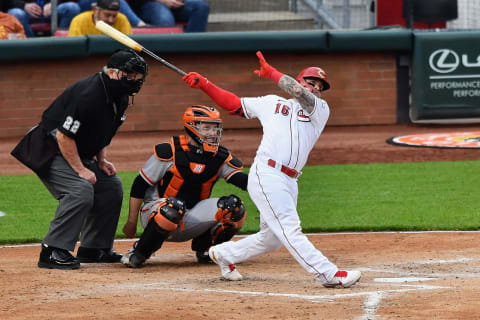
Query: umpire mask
pixel 134 67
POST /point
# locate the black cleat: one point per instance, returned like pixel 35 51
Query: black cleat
pixel 92 255
pixel 133 259
pixel 203 257
pixel 56 258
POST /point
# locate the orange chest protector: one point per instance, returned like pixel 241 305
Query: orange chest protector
pixel 193 174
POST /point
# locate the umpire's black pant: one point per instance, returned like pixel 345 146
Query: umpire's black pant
pixel 88 211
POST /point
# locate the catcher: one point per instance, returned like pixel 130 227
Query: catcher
pixel 174 187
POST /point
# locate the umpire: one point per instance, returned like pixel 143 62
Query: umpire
pixel 83 121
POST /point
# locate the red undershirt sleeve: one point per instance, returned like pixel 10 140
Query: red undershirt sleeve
pixel 225 99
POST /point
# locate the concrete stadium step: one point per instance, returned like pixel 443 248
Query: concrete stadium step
pixel 260 21
pixel 219 6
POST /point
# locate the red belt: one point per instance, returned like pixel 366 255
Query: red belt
pixel 289 172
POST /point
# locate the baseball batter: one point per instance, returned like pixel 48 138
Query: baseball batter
pixel 175 185
pixel 290 129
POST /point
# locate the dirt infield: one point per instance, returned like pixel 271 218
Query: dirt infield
pixel 405 275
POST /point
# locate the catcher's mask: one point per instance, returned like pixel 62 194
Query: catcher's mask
pixel 204 125
pixel 133 65
pixel 313 72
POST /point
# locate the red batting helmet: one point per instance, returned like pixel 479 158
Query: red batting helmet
pixel 313 72
pixel 209 138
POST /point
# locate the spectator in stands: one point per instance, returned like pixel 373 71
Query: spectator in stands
pixel 164 13
pixel 104 10
pixel 10 27
pixel 29 11
pixel 135 21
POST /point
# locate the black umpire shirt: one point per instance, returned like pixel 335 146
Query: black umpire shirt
pixel 87 113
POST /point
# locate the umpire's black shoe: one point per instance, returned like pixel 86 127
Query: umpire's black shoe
pixel 91 255
pixel 56 258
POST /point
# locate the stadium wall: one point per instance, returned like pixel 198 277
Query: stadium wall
pixel 361 66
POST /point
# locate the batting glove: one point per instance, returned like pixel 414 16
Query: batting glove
pixel 266 70
pixel 195 80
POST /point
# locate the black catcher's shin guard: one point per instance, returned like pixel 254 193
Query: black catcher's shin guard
pixel 202 242
pixel 161 224
pixel 222 233
pixel 151 240
pixel 200 245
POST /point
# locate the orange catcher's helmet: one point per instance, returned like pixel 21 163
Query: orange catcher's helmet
pixel 313 72
pixel 204 125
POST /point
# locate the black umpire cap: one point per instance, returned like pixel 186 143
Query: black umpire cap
pixel 128 61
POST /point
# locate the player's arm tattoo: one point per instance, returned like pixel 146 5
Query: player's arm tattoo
pixel 296 90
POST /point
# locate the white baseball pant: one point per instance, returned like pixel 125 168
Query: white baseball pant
pixel 275 195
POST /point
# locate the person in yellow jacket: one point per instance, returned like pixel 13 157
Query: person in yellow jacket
pixel 104 10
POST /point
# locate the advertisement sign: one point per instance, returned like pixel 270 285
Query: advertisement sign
pixel 446 75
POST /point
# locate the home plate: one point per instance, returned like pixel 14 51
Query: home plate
pixel 401 280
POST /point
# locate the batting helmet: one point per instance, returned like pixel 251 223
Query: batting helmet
pixel 204 125
pixel 313 72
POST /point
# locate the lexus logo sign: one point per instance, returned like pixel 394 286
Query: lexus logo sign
pixel 444 60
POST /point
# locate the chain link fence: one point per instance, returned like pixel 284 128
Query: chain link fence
pixel 251 15
pixel 468 15
pixel 244 15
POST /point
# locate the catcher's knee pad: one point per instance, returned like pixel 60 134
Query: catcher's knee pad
pixel 231 211
pixel 169 214
pixel 230 216
pixel 160 225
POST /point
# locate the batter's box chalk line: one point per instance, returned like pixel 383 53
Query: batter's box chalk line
pixel 373 299
pixel 336 293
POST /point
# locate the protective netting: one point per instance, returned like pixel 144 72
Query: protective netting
pixel 251 15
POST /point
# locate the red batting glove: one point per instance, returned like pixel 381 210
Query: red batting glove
pixel 195 80
pixel 266 70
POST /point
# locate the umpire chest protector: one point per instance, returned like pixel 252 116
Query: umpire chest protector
pixel 193 173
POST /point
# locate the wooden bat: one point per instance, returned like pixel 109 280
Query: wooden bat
pixel 129 42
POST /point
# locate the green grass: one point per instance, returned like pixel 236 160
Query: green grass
pixel 363 197
pixel 408 196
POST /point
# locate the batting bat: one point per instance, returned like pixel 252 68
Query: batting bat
pixel 129 42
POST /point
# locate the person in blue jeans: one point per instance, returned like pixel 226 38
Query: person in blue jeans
pixel 29 11
pixel 135 21
pixel 164 13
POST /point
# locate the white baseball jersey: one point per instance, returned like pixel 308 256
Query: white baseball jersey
pixel 289 134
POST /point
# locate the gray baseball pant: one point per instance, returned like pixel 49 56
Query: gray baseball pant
pixel 88 211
